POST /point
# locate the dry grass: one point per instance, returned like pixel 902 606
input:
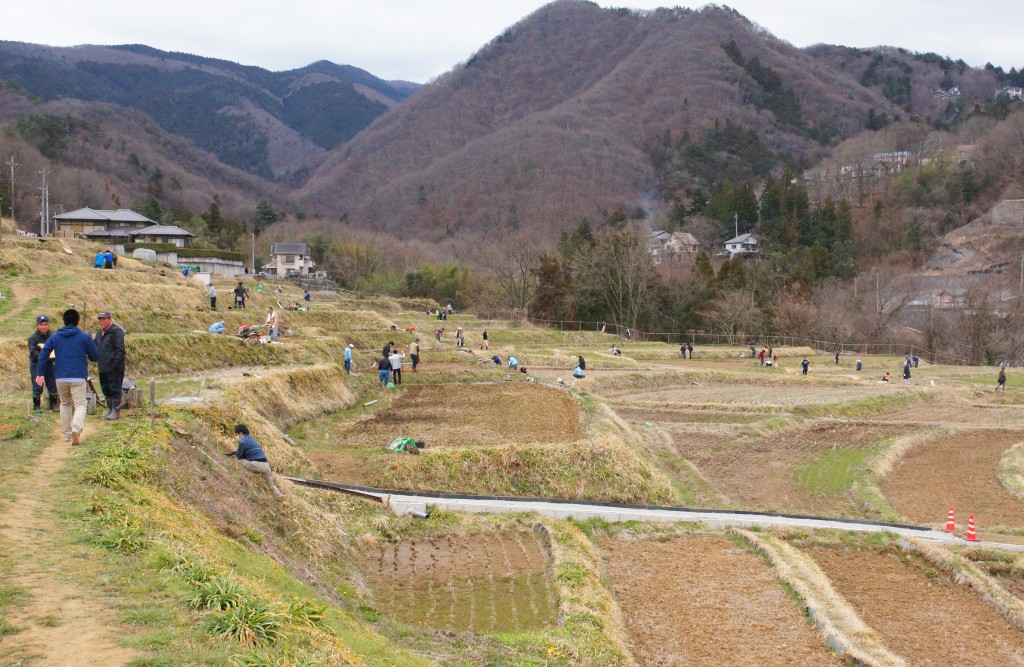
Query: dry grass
pixel 832 614
pixel 602 468
pixel 1011 470
pixel 589 611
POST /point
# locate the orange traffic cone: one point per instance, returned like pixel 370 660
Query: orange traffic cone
pixel 950 522
pixel 972 535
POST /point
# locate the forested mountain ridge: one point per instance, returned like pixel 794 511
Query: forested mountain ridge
pixel 582 111
pixel 272 124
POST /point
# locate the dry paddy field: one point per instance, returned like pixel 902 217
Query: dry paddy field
pixel 947 410
pixel 920 614
pixel 483 583
pixel 760 396
pixel 707 601
pixel 470 414
pixel 957 471
pixel 777 472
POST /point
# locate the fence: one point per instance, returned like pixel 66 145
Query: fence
pixel 891 349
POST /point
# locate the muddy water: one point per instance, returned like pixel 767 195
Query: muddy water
pixel 483 584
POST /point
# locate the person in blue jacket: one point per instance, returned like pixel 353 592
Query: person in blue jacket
pixel 73 349
pixel 252 456
pixel 100 257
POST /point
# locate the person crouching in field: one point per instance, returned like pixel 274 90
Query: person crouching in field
pixel 252 456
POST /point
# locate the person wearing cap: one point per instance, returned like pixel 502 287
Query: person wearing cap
pixel 212 293
pixel 348 358
pixel 35 343
pixel 110 343
pixel 73 349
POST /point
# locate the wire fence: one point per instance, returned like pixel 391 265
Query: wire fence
pixel 891 349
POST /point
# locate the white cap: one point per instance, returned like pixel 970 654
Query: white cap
pixel 351 345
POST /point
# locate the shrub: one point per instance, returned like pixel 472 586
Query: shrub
pixel 307 612
pixel 125 537
pixel 252 623
pixel 217 593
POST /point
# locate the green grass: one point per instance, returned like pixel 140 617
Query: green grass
pixel 833 472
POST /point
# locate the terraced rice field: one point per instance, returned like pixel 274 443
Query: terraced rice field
pixel 794 470
pixel 920 614
pixel 707 601
pixel 475 414
pixel 761 396
pixel 482 584
pixel 958 471
pixel 958 414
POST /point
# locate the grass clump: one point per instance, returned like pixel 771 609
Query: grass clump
pixel 252 623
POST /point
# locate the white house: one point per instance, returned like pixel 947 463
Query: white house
pixel 289 259
pixel 744 244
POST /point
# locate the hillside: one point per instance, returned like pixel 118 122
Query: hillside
pixel 580 111
pixel 146 545
pixel 271 124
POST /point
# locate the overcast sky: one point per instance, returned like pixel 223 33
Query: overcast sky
pixel 417 40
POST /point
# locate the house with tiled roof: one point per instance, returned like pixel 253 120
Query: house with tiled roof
pixel 289 259
pixel 116 224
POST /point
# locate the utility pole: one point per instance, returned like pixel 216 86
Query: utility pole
pixel 254 251
pixel 12 164
pixel 736 221
pixel 44 205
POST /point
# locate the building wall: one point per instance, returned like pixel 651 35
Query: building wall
pixel 1008 212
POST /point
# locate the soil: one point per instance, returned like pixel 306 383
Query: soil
pixel 668 416
pixel 921 615
pixel 476 414
pixel 958 414
pixel 61 623
pixel 760 395
pixel 760 473
pixel 706 601
pixel 959 472
pixel 485 583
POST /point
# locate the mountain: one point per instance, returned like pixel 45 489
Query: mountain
pixel 582 111
pixel 271 124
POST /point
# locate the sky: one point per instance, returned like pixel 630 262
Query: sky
pixel 416 40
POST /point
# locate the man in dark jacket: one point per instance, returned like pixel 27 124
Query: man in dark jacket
pixel 252 456
pixel 73 348
pixel 35 343
pixel 110 343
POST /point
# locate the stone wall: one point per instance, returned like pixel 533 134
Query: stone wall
pixel 1008 212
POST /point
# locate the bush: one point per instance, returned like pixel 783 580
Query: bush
pixel 217 593
pixel 251 623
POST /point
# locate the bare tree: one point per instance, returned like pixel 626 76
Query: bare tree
pixel 735 314
pixel 619 274
pixel 511 259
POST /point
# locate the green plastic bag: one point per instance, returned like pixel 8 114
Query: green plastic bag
pixel 402 445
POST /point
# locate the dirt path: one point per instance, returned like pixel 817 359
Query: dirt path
pixel 61 624
pixel 706 601
pixel 925 618
pixel 960 472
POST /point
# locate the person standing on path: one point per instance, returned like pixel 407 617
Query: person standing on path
pixel 35 343
pixel 1001 380
pixel 689 350
pixel 212 293
pixel 383 370
pixel 73 349
pixel 805 365
pixel 272 324
pixel 396 366
pixel 682 350
pixel 486 343
pixel 906 373
pixel 414 353
pixel 110 344
pixel 348 358
pixel 253 457
pixel 837 357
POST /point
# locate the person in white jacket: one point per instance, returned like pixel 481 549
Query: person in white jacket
pixel 396 366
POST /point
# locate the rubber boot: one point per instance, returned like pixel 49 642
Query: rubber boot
pixel 35 405
pixel 115 409
pixel 54 403
pixel 110 406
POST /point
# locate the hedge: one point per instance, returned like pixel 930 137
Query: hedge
pixel 186 253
